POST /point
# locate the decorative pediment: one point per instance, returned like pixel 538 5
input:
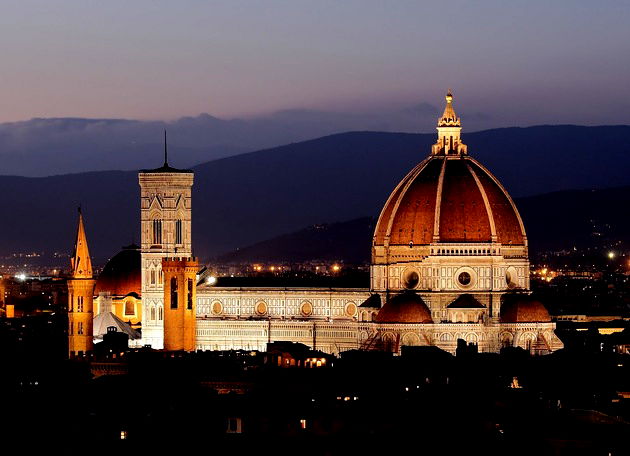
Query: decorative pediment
pixel 155 202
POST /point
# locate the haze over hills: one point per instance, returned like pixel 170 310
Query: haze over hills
pixel 241 200
pixel 48 146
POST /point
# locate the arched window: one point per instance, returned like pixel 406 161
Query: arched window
pixel 157 231
pixel 130 308
pixel 173 292
pixel 160 313
pixel 152 313
pixel 178 232
pixel 190 294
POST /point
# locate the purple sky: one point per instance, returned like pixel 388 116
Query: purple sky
pixel 509 63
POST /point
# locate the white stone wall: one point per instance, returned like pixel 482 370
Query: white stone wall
pixel 165 197
pixel 280 303
pixel 338 336
pixel 488 269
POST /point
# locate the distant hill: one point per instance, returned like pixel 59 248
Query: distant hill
pixel 241 200
pixel 560 220
pixel 348 241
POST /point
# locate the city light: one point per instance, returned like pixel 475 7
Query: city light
pixel 336 268
pixel 21 277
pixel 211 280
pixel 611 255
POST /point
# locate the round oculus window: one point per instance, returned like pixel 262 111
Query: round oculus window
pixel 217 308
pixel 261 308
pixel 306 308
pixel 411 280
pixel 464 279
pixel 351 309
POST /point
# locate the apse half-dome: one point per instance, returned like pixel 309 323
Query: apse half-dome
pixel 405 307
pixel 523 309
pixel 122 275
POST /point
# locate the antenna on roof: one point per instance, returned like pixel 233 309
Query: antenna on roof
pixel 165 150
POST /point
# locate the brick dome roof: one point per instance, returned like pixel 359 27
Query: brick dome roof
pixel 406 307
pixel 523 309
pixel 449 199
pixel 122 274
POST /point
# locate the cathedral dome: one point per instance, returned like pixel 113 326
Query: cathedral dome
pixel 122 274
pixel 406 307
pixel 524 309
pixel 449 198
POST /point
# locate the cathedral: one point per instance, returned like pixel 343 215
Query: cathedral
pixel 449 264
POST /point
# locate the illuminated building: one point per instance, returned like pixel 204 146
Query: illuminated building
pixel 165 232
pixel 80 296
pixel 449 262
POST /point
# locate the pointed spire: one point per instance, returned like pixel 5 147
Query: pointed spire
pixel 165 151
pixel 80 263
pixel 449 118
pixel 449 128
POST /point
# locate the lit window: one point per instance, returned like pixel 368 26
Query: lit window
pixel 234 426
pixel 80 328
pixel 130 308
pixel 123 435
pixel 303 424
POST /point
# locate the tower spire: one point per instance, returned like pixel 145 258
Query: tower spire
pixel 80 297
pixel 165 150
pixel 449 129
pixel 80 263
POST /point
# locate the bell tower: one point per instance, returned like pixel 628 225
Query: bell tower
pixel 180 303
pixel 165 214
pixel 80 297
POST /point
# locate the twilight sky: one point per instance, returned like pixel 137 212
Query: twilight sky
pixel 508 62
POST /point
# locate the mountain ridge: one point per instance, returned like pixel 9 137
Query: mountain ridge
pixel 251 197
pixel 350 241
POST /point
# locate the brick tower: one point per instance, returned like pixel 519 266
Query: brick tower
pixel 180 302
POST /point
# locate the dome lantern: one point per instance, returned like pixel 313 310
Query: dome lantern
pixel 449 129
